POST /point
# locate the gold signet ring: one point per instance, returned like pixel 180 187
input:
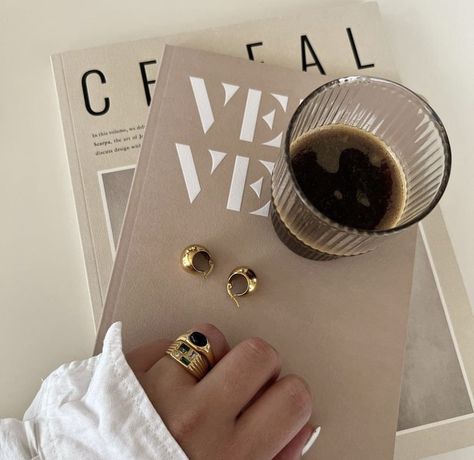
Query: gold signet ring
pixel 196 259
pixel 241 281
pixel 193 351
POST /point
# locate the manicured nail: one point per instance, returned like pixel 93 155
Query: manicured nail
pixel 311 440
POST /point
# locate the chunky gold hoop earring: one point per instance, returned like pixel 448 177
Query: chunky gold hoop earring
pixel 250 283
pixel 191 264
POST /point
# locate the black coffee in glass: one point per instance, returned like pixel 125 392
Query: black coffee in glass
pixel 350 176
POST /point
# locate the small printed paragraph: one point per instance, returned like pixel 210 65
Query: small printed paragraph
pixel 117 140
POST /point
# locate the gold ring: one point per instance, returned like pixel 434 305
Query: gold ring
pixel 199 342
pixel 193 351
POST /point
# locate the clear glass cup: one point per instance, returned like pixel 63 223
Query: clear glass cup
pixel 397 116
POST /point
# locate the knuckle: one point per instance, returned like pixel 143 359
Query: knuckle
pixel 209 329
pixel 259 349
pixel 299 393
pixel 183 424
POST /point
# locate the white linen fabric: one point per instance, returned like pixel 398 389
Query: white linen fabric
pixel 91 409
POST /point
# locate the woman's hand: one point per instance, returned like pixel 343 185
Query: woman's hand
pixel 242 408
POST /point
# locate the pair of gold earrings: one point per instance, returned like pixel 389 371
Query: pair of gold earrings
pixel 240 282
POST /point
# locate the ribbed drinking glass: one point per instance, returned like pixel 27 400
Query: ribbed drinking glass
pixel 403 121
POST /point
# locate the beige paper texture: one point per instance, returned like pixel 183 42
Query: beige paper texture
pixel 339 324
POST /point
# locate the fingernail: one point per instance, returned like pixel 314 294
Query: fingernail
pixel 311 440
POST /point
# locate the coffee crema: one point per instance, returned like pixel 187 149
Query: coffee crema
pixel 350 176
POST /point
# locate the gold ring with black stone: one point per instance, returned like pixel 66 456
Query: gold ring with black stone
pixel 193 351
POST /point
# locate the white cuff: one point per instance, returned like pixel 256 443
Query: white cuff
pixel 94 409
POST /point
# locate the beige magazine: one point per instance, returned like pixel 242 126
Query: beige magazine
pixel 204 177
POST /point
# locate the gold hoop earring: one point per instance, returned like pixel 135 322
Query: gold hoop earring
pixel 196 259
pixel 250 279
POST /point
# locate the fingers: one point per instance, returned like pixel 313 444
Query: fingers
pixel 216 338
pixel 239 404
pixel 143 358
pixel 173 374
pixel 296 447
pixel 271 423
pixel 239 376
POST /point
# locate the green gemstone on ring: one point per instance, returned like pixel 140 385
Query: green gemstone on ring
pixel 185 361
pixel 183 348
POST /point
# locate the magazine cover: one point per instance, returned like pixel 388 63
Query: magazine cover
pixel 341 324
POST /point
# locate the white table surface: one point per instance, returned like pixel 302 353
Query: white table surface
pixel 45 315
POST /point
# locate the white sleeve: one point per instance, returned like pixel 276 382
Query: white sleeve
pixel 93 409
